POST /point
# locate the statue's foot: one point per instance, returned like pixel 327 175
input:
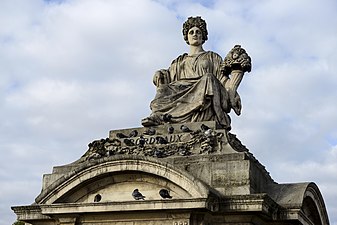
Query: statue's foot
pixel 156 119
pixel 152 120
pixel 147 122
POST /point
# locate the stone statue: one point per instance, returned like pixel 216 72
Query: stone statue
pixel 199 85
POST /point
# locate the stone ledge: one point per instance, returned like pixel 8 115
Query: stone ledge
pixel 30 212
pixel 250 203
pixel 199 203
pixel 258 203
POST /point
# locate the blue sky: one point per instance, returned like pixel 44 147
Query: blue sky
pixel 72 70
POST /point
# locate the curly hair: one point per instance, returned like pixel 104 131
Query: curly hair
pixel 195 22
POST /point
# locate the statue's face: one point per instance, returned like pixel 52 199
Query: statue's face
pixel 194 36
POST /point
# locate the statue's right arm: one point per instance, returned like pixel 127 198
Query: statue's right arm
pixel 166 76
pixel 161 77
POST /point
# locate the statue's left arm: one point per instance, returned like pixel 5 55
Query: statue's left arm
pixel 236 63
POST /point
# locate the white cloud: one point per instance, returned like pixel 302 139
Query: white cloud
pixel 70 71
pixel 323 172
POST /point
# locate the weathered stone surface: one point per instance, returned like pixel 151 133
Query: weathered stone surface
pixel 227 180
pixel 203 138
pixel 212 177
pixel 218 183
pixel 199 86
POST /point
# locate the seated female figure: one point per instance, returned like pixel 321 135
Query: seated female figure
pixel 196 87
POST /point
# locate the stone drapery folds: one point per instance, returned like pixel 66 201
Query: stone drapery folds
pixel 199 85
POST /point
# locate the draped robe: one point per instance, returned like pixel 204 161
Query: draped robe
pixel 194 90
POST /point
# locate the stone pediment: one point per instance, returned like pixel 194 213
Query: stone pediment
pixel 226 180
pixel 300 198
pixel 237 185
pixel 114 181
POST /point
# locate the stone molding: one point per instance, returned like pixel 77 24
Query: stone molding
pixel 69 182
pixel 300 201
pixel 210 204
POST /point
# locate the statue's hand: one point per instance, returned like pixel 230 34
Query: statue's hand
pixel 160 77
pixel 235 101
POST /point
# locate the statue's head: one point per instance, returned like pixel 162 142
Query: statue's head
pixel 195 22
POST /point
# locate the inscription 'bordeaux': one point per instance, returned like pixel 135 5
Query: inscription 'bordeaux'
pixel 155 140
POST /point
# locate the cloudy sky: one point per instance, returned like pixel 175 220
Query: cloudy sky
pixel 72 70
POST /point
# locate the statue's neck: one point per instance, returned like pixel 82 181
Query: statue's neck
pixel 194 50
